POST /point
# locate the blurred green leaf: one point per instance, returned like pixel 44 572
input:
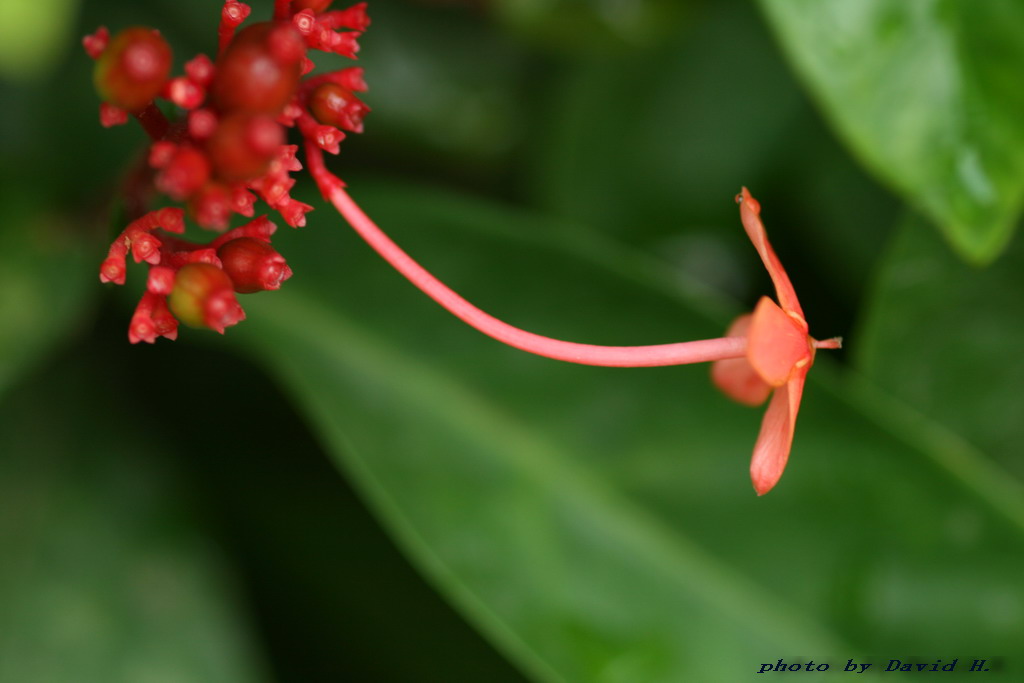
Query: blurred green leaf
pixel 334 599
pixel 32 34
pixel 435 110
pixel 46 280
pixel 651 142
pixel 946 337
pixel 928 95
pixel 598 524
pixel 593 26
pixel 651 146
pixel 103 576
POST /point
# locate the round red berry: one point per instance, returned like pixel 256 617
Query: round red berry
pixel 333 105
pixel 253 266
pixel 203 297
pixel 133 68
pixel 259 71
pixel 243 145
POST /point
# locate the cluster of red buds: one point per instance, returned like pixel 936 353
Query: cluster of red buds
pixel 226 149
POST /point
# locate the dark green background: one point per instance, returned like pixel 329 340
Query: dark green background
pixel 351 485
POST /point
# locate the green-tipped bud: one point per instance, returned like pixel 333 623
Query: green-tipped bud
pixel 203 296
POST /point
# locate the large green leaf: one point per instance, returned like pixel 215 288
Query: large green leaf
pixel 927 95
pixel 945 337
pixel 598 524
pixel 104 577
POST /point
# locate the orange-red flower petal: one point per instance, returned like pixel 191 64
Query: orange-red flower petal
pixel 776 437
pixel 750 214
pixel 777 344
pixel 736 377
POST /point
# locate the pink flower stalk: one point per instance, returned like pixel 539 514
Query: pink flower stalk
pixel 769 349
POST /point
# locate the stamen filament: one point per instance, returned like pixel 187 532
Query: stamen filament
pixel 701 351
pixel 833 343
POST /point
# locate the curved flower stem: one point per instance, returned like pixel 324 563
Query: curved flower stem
pixel 586 354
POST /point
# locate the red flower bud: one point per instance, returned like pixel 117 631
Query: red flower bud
pixel 111 116
pixel 211 206
pixel 353 17
pixel 160 280
pixel 243 145
pixel 152 319
pixel 335 106
pixel 259 71
pixel 201 123
pixel 253 266
pixel 96 43
pixel 203 297
pixel 184 173
pixel 133 68
pixel 184 92
pixel 200 69
pixel 164 322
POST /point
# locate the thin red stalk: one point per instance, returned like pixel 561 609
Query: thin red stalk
pixel 225 33
pixel 153 121
pixel 586 354
pixel 137 188
pixel 231 15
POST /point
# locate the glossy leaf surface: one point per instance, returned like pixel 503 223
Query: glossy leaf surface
pixel 945 338
pixel 927 95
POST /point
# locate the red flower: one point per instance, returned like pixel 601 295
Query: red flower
pixel 779 353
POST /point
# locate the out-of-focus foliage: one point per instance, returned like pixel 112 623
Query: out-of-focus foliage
pixel 928 95
pixel 569 166
pixel 104 577
pixel 33 35
pixel 43 264
pixel 598 523
pixel 944 337
pixel 588 26
pixel 647 146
